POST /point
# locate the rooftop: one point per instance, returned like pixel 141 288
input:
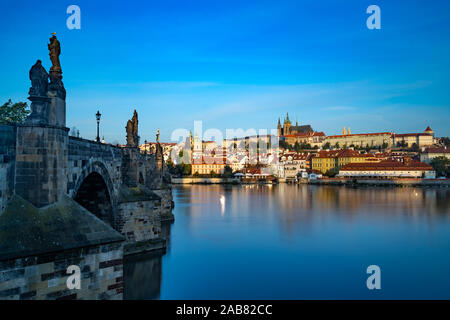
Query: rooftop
pixel 387 165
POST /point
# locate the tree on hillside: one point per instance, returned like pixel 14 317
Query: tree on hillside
pixel 445 141
pixel 441 165
pixel 283 145
pixel 13 112
pixel 227 171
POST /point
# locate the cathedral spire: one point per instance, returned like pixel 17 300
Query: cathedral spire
pixel 287 118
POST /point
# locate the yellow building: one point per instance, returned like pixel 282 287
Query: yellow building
pixel 335 159
pixel 208 164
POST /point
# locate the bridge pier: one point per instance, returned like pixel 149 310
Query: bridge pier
pixel 41 160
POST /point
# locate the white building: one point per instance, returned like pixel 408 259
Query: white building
pixel 388 169
pixel 428 154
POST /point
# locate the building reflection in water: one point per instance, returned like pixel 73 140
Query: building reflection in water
pixel 302 203
pixel 143 272
pixel 222 216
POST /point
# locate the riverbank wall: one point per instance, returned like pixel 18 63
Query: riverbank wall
pixel 199 180
pixel 402 182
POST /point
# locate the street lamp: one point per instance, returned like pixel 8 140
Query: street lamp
pixel 98 116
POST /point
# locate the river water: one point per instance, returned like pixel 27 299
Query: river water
pixel 299 242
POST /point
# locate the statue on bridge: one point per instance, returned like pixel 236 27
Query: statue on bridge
pixel 39 80
pixel 132 131
pixel 55 50
pixel 56 83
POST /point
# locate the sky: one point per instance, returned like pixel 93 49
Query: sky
pixel 237 64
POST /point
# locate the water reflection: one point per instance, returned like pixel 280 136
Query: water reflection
pixel 142 273
pixel 287 241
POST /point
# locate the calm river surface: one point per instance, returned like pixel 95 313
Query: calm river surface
pixel 299 242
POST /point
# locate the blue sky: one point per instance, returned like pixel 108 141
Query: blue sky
pixel 237 64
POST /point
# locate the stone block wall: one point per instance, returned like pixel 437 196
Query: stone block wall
pixel 7 163
pixel 83 153
pixel 166 203
pixel 139 220
pixel 44 277
pixel 41 161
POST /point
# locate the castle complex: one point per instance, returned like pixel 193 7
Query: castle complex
pixel 299 134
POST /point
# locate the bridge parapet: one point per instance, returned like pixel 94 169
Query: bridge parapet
pixel 83 153
pixel 7 162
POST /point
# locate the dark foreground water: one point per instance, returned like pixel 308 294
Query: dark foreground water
pixel 299 242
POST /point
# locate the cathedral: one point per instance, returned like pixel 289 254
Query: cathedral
pixel 299 134
pixel 289 129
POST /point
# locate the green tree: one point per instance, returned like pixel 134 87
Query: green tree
pixel 187 169
pixel 441 165
pixel 327 145
pixel 13 112
pixel 445 141
pixel 336 146
pixel 332 172
pixel 227 171
pixel 283 145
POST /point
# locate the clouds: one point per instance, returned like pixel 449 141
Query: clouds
pixel 239 64
pixel 362 105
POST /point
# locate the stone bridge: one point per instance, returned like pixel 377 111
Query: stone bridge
pixel 70 201
pixel 96 175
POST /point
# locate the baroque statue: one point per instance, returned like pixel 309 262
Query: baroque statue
pixel 132 131
pixel 56 84
pixel 39 80
pixel 54 51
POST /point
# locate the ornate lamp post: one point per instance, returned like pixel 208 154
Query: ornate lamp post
pixel 98 116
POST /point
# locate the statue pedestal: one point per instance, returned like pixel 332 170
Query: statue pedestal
pixel 40 110
pixel 57 109
pixel 130 164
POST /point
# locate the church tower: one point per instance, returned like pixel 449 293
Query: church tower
pixel 279 128
pixel 287 125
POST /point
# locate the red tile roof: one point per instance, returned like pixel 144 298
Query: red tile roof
pixel 411 134
pixel 437 150
pixel 387 165
pixel 361 134
pixel 342 153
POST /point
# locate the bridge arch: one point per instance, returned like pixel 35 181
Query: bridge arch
pixel 94 191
